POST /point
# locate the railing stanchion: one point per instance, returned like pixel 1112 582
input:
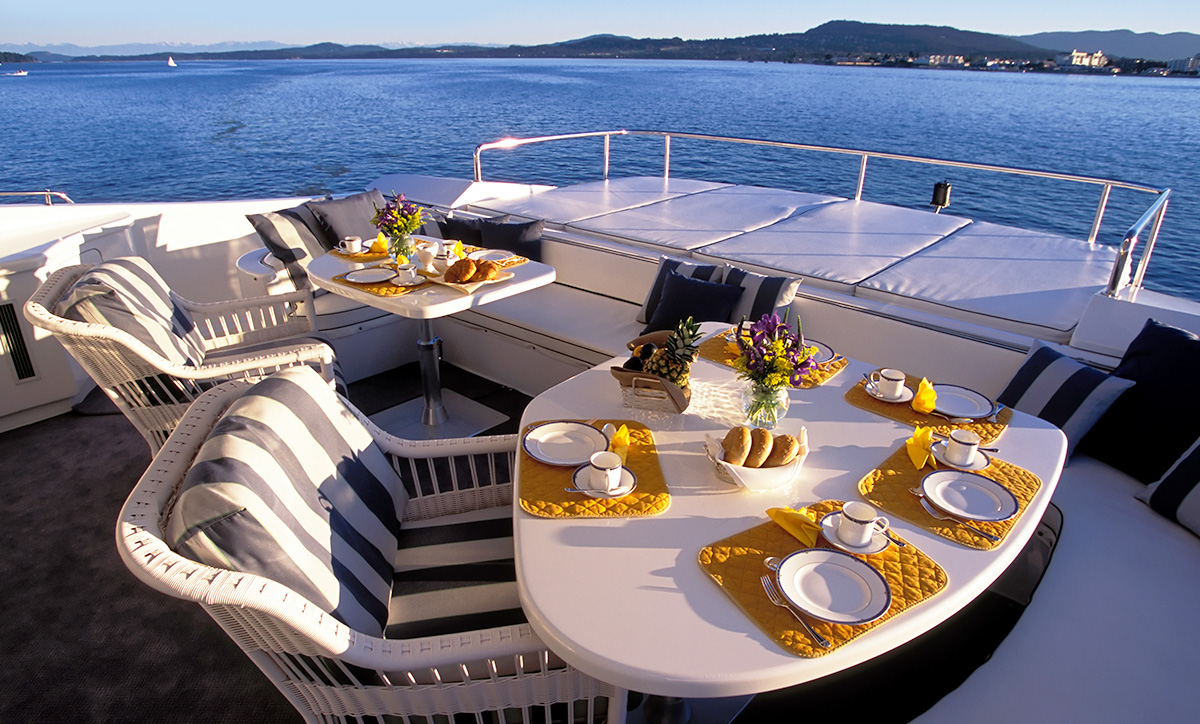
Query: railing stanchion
pixel 667 156
pixel 1099 214
pixel 607 140
pixel 862 176
pixel 1145 260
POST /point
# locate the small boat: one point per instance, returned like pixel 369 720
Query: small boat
pixel 171 62
pixel 18 73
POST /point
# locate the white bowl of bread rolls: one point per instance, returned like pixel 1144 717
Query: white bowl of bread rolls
pixel 757 459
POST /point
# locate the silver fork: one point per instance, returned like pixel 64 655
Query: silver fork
pixel 934 512
pixel 778 599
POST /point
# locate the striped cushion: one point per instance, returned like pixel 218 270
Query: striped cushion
pixel 284 231
pixel 1177 493
pixel 290 486
pixel 1062 391
pixel 762 295
pixel 453 574
pixel 706 272
pixel 126 293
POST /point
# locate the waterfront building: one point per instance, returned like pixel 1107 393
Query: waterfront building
pixel 1184 65
pixel 1081 59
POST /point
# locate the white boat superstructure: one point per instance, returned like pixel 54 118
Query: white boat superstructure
pixel 961 300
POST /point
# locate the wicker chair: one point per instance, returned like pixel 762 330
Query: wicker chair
pixel 243 339
pixel 330 672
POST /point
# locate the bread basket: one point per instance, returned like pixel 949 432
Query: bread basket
pixel 756 479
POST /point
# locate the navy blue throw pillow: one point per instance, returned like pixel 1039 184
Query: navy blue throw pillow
pixel 1159 407
pixel 684 297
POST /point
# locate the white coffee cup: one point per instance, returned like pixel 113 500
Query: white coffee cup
pixel 406 273
pixel 605 471
pixel 426 252
pixel 859 522
pixel 961 447
pixel 351 244
pixel 888 383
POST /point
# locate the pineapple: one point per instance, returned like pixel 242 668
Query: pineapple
pixel 673 361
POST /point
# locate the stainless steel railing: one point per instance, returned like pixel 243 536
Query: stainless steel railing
pixel 1120 270
pixel 47 194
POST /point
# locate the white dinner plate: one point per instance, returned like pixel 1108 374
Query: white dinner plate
pixel 829 527
pixel 824 351
pixel 906 394
pixel 374 275
pixel 956 401
pixel 564 443
pixel 580 480
pixel 491 255
pixel 981 459
pixel 834 586
pixel 969 496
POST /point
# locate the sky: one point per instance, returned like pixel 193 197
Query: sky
pixel 530 22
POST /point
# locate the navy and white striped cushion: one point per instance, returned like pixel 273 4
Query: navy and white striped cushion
pixel 284 231
pixel 1177 493
pixel 761 295
pixel 1062 391
pixel 453 574
pixel 705 272
pixel 126 293
pixel 290 486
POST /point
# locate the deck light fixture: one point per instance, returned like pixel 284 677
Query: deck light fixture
pixel 941 196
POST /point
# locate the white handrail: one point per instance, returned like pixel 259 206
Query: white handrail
pixel 47 194
pixel 1120 273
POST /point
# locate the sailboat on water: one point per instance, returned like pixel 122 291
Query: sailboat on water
pixel 171 62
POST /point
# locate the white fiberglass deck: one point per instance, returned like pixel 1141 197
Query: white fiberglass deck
pixel 1028 282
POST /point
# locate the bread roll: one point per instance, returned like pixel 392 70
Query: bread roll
pixel 460 271
pixel 760 447
pixel 737 445
pixel 784 449
pixel 485 271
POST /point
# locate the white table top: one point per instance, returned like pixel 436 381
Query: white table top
pixel 433 300
pixel 625 600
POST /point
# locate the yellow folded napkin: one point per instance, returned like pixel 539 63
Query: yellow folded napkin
pixel 620 443
pixel 926 397
pixel 458 250
pixel 920 446
pixel 380 243
pixel 797 522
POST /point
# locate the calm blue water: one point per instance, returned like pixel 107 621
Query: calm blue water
pixel 136 131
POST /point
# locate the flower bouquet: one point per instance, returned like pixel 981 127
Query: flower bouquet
pixel 397 221
pixel 772 358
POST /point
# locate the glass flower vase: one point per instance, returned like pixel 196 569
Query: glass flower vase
pixel 765 406
pixel 401 248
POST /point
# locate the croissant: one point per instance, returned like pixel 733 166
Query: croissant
pixel 460 271
pixel 485 271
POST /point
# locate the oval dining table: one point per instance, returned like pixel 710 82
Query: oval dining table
pixel 626 600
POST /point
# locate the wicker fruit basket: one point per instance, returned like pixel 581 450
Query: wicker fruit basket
pixel 650 392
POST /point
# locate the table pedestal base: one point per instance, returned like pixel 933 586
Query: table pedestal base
pixel 465 418
pixel 663 709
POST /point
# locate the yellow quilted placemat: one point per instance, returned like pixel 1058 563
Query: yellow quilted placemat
pixel 541 486
pixel 718 349
pixel 736 564
pixel 379 289
pixel 361 257
pixel 888 487
pixel 902 412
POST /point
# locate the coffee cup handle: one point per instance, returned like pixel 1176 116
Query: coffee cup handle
pixel 882 524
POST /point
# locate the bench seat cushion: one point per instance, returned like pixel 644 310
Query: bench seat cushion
pixel 1110 635
pixel 571 321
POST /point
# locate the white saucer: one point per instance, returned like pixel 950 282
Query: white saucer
pixel 905 396
pixel 414 283
pixel 829 526
pixel 580 480
pixel 981 459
